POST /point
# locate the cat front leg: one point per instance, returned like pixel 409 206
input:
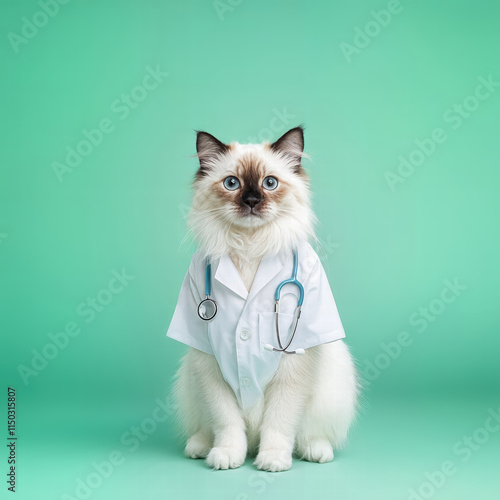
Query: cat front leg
pixel 223 415
pixel 285 401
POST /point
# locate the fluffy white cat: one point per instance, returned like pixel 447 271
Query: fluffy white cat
pixel 252 201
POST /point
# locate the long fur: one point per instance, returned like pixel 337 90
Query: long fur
pixel 310 403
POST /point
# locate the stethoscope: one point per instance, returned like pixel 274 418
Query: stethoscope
pixel 207 308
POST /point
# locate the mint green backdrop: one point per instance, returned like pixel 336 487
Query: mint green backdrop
pixel 401 104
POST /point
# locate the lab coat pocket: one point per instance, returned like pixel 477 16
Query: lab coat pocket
pixel 267 330
pixel 267 362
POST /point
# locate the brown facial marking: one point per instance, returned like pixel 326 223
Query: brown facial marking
pixel 249 167
pixel 276 195
pixel 251 172
pixel 224 194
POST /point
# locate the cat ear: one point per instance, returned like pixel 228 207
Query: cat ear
pixel 208 148
pixel 291 144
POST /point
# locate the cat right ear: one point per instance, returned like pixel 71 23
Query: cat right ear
pixel 208 148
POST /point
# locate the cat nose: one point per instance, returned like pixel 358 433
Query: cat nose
pixel 251 198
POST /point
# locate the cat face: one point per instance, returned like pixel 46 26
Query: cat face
pixel 251 185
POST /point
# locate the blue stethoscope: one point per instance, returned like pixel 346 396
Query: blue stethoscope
pixel 207 308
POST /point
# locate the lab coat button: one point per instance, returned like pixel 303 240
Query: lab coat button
pixel 244 335
pixel 245 381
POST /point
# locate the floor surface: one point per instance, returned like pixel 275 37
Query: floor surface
pixel 399 449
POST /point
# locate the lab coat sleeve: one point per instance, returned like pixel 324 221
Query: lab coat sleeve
pixel 319 321
pixel 186 326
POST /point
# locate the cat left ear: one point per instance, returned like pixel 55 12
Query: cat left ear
pixel 291 144
pixel 208 148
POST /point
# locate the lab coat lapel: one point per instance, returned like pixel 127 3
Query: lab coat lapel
pixel 269 267
pixel 228 275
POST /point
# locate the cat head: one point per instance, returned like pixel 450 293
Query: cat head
pixel 251 199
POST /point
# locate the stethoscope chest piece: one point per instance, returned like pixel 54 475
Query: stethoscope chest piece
pixel 207 309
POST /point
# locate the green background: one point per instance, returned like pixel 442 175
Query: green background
pixel 387 251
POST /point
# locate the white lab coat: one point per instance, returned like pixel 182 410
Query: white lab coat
pixel 245 321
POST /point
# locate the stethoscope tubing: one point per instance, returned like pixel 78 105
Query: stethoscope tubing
pixel 291 281
pixel 208 279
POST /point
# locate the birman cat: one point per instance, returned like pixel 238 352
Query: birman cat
pixel 250 213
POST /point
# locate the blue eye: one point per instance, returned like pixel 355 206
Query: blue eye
pixel 270 183
pixel 231 183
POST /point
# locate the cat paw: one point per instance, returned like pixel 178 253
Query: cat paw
pixel 198 446
pixel 273 460
pixel 225 458
pixel 320 451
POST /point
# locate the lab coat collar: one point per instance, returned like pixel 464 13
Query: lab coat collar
pixel 228 275
pixel 269 267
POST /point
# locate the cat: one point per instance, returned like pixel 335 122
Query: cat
pixel 252 202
